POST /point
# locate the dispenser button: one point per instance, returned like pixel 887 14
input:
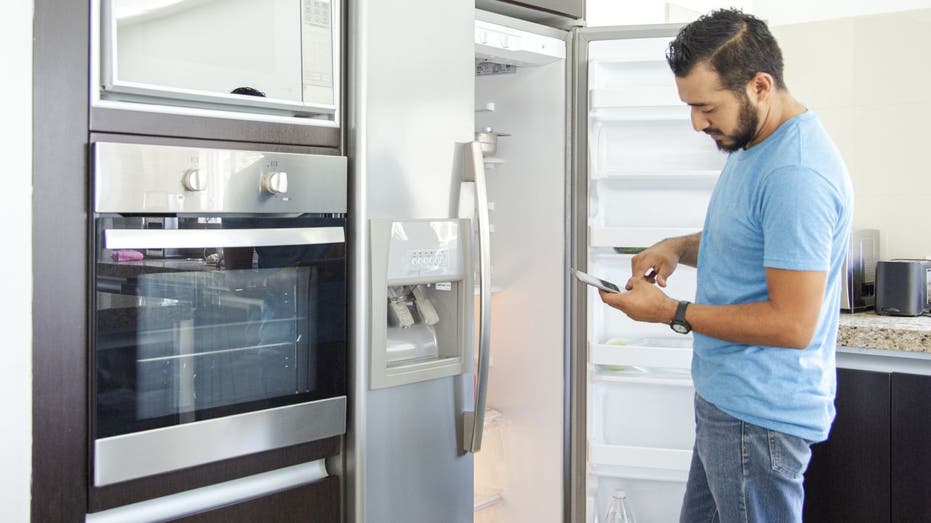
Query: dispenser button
pixel 193 180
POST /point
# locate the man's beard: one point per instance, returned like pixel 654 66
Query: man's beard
pixel 747 123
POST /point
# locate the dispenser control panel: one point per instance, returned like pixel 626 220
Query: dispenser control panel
pixel 429 258
pixel 425 250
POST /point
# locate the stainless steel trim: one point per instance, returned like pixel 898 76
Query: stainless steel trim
pixel 169 508
pixel 146 178
pixel 578 247
pixel 357 111
pixel 474 422
pixel 140 454
pixel 203 238
pixel 130 91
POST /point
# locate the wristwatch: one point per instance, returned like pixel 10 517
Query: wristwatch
pixel 678 323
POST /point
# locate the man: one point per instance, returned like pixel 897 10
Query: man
pixel 768 257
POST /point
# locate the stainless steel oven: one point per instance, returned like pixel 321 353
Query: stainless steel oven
pixel 219 324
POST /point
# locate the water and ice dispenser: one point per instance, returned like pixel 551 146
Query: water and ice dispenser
pixel 422 300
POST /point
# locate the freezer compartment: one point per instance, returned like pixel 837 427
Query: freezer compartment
pixel 636 407
pixel 650 501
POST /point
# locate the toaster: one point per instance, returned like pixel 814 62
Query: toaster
pixel 902 287
pixel 858 285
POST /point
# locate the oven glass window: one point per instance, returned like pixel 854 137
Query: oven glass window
pixel 184 334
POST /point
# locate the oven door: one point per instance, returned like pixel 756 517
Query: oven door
pixel 215 337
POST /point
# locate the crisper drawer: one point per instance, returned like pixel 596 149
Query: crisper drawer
pixel 637 408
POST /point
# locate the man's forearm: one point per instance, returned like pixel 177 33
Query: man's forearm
pixel 758 323
pixel 687 247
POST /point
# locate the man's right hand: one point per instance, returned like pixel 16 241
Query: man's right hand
pixel 655 263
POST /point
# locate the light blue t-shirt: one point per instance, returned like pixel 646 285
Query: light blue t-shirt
pixel 785 203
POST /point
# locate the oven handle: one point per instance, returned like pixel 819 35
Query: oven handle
pixel 205 238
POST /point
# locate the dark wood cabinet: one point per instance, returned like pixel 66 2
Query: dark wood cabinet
pixel 557 13
pixel 572 8
pixel 317 503
pixel 63 121
pixel 911 448
pixel 875 465
pixel 848 476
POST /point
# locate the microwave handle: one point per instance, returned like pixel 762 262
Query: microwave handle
pixel 203 238
pixel 473 422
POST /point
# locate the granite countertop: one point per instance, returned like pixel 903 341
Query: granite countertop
pixel 869 330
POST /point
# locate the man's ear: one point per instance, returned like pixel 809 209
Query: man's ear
pixel 761 87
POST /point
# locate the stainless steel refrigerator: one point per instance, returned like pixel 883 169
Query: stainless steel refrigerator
pixel 595 158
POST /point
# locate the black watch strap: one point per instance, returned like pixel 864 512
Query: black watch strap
pixel 678 323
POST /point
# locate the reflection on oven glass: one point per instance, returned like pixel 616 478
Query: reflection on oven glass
pixel 187 340
pixel 243 342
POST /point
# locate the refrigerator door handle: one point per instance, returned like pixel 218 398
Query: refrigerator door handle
pixel 473 422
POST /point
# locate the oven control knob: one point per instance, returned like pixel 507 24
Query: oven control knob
pixel 193 180
pixel 275 182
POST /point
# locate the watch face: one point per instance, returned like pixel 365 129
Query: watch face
pixel 681 329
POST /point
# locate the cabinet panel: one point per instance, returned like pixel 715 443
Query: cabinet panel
pixel 911 447
pixel 318 502
pixel 539 11
pixel 573 8
pixel 848 477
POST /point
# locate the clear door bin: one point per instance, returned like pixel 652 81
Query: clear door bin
pixel 649 501
pixel 491 469
pixel 421 300
pixel 642 409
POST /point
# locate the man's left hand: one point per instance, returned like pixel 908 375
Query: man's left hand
pixel 643 301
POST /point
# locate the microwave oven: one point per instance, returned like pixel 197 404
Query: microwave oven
pixel 275 60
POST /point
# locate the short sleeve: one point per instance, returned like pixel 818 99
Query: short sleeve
pixel 799 211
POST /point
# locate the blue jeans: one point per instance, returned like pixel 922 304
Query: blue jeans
pixel 742 472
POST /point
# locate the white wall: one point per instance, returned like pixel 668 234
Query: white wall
pixel 866 78
pixel 775 12
pixel 781 12
pixel 15 214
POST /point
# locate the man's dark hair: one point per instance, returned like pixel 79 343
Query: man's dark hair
pixel 736 45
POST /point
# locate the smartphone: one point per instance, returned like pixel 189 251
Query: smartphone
pixel 605 285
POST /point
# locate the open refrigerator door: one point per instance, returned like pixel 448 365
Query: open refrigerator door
pixel 649 177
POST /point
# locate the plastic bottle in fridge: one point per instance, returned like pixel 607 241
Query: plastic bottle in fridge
pixel 619 511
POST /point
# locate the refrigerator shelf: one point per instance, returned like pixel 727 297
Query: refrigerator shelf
pixel 641 377
pixel 638 473
pixel 641 113
pixel 646 179
pixel 492 162
pixel 494 417
pixel 640 459
pixel 634 236
pixel 641 355
pixel 484 498
pixel 661 98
